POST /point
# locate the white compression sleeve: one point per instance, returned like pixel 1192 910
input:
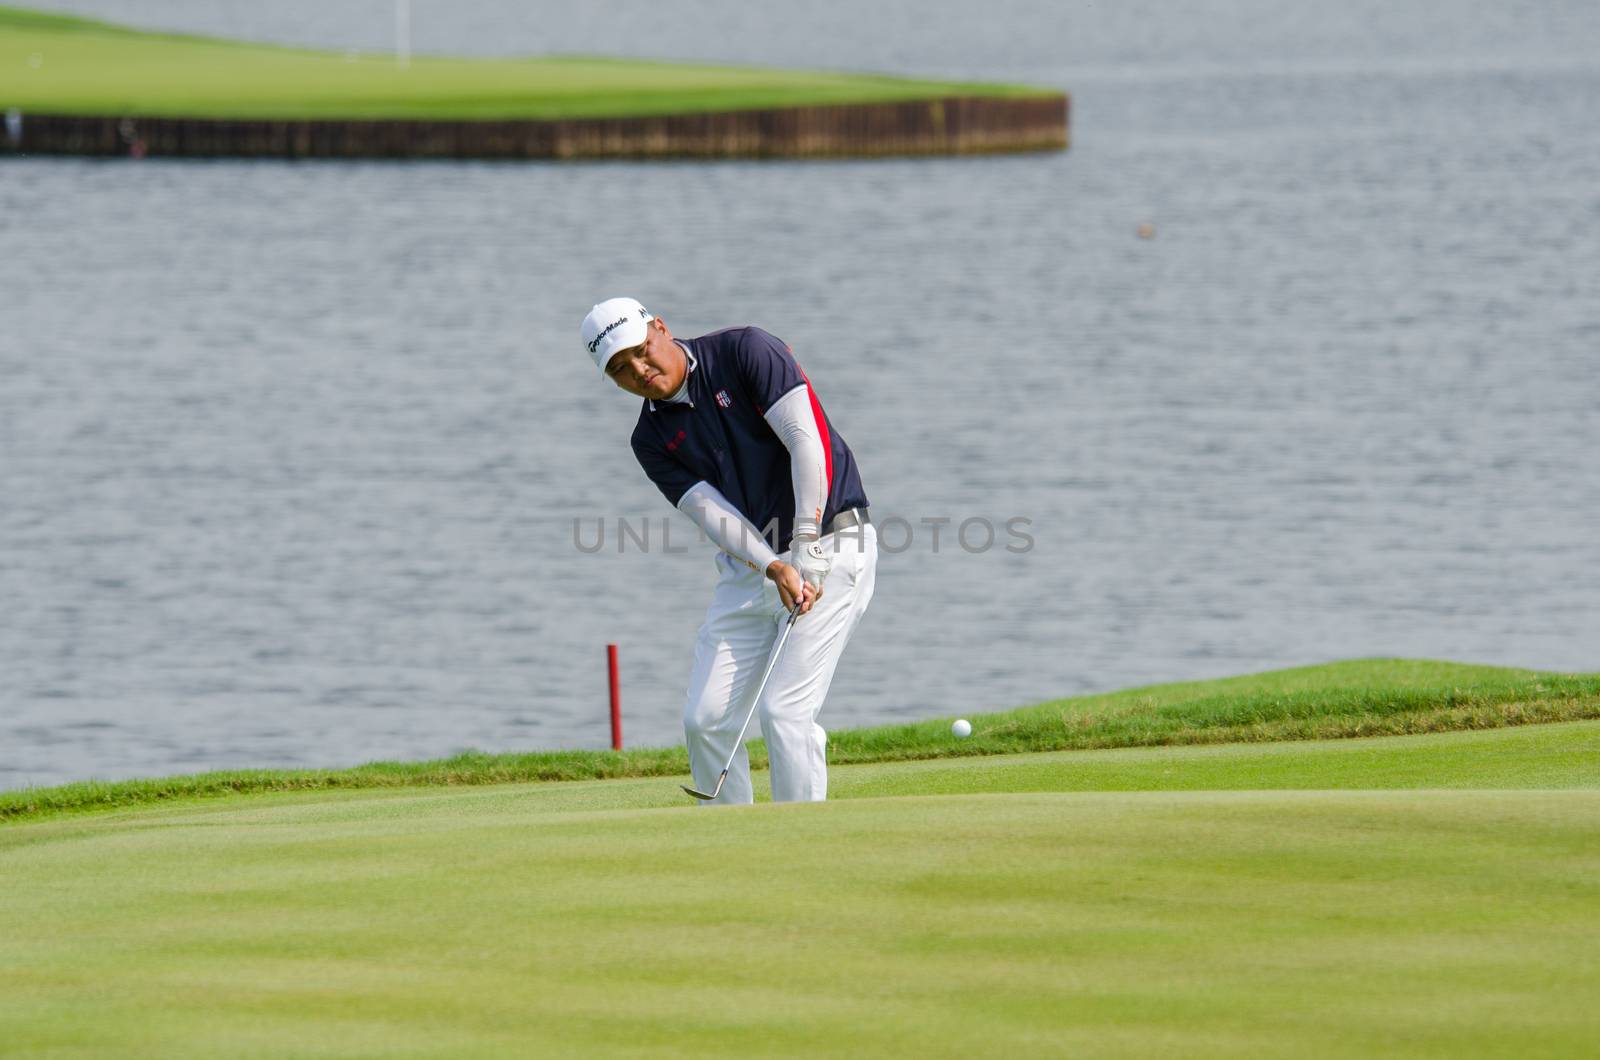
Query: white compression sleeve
pixel 725 525
pixel 793 420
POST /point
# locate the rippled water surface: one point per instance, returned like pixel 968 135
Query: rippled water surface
pixel 290 454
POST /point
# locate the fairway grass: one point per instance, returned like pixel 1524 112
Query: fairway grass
pixel 66 65
pixel 1347 699
pixel 1024 915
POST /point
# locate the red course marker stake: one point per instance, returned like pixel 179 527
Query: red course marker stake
pixel 616 699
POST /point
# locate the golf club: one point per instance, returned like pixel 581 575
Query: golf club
pixel 772 662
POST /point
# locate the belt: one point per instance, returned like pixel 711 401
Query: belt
pixel 846 519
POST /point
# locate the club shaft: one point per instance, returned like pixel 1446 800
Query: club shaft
pixel 755 700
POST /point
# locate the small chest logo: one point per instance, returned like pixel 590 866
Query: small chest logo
pixel 672 446
pixel 724 400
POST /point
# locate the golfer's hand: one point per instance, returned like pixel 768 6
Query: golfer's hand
pixel 811 559
pixel 791 587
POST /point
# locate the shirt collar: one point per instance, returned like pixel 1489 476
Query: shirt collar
pixel 684 389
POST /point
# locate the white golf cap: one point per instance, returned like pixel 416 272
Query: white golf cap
pixel 615 324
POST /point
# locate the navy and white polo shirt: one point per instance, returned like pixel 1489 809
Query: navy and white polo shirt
pixel 719 435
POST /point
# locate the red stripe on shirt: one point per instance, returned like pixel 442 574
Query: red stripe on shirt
pixel 827 440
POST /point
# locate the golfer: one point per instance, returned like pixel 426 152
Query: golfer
pixel 734 437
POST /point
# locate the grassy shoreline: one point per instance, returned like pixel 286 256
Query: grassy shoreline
pixel 66 65
pixel 1339 700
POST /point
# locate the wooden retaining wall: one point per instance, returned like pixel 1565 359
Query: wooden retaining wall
pixel 939 127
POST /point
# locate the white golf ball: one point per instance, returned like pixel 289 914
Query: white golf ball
pixel 962 727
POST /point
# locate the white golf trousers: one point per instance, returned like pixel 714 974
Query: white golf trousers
pixel 731 653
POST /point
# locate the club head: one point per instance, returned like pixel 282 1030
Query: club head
pixel 702 796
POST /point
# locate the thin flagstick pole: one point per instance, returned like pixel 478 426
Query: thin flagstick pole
pixel 616 698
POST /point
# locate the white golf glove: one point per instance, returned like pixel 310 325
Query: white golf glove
pixel 812 561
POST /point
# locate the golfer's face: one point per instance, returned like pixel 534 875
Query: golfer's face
pixel 653 369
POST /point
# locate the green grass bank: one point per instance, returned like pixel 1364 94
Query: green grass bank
pixel 68 65
pixel 280 100
pixel 1320 898
pixel 1359 698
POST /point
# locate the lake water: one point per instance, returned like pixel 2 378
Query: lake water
pixel 290 454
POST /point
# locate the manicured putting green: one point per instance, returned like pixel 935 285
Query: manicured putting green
pixel 66 65
pixel 565 920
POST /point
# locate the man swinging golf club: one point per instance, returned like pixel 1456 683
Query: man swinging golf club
pixel 734 437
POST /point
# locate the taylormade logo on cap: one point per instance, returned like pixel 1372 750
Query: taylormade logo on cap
pixel 615 324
